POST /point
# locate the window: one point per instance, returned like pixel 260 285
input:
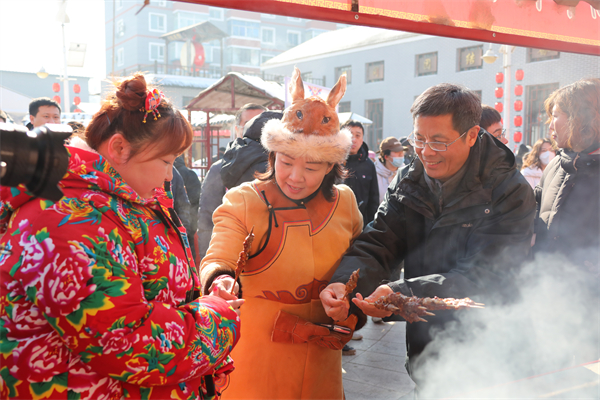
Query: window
pixel 245 29
pixel 157 52
pixel 186 18
pixel 158 22
pixel 470 58
pixel 374 132
pixel 120 28
pixel 314 33
pixel 244 56
pixel 374 72
pixel 120 58
pixel 159 3
pixel 340 70
pixel 119 4
pixel 426 64
pixel 344 106
pixel 267 35
pixel 478 93
pixel 534 55
pixel 293 38
pixel 216 13
pixel 265 57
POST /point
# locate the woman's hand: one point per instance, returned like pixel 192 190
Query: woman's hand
pixel 236 304
pixel 222 285
pixel 366 304
pixel 331 296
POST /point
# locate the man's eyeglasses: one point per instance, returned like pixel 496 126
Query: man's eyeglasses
pixel 501 135
pixel 435 146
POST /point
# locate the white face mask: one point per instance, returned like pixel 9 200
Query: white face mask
pixel 398 162
pixel 547 156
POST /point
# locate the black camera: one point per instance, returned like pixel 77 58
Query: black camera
pixel 36 158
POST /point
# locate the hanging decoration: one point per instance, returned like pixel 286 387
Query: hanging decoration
pixel 56 87
pixel 499 106
pixel 76 88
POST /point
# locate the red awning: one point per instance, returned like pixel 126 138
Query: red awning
pixel 563 25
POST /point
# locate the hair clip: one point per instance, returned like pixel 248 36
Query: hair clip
pixel 153 99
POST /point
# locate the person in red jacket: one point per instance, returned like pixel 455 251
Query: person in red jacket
pixel 99 295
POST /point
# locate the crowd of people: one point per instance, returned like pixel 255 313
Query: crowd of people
pixel 105 295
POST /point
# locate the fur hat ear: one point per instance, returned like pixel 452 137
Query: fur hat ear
pixel 297 86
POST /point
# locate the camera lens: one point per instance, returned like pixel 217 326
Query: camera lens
pixel 35 158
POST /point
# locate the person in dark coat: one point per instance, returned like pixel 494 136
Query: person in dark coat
pixel 567 224
pixel 192 188
pixel 181 202
pixel 213 188
pixel 362 175
pixel 461 220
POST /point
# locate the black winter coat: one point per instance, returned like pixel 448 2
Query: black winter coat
pixel 568 215
pixel 469 249
pixel 362 180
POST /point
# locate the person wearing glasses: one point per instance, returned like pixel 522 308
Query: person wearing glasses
pixel 461 220
pixel 491 121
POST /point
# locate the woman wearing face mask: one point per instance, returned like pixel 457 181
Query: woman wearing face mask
pixel 544 150
pixel 391 157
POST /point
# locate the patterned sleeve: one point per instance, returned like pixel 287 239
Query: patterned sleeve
pixel 88 282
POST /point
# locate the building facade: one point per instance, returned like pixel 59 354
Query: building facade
pixel 133 42
pixel 387 70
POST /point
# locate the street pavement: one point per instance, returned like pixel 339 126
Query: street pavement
pixel 377 370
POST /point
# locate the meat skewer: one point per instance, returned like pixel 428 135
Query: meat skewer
pixel 243 258
pixel 413 308
pixel 351 284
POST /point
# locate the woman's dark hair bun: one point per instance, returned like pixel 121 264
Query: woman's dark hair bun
pixel 131 93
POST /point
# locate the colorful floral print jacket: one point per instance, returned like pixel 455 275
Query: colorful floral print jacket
pixel 96 296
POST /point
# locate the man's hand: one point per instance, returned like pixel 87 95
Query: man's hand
pixel 222 285
pixel 368 308
pixel 331 298
pixel 236 304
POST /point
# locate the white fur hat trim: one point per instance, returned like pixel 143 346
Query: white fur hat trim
pixel 331 148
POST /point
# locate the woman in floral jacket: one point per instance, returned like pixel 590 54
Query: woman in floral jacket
pixel 98 293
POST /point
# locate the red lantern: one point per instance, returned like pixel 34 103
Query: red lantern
pixel 517 137
pixel 499 77
pixel 56 99
pixel 518 120
pixel 518 90
pixel 76 88
pixel 56 87
pixel 200 57
pixel 499 106
pixel 518 105
pixel 77 100
pixel 499 92
pixel 519 74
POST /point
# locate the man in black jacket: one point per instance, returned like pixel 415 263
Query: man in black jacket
pixel 362 176
pixel 461 220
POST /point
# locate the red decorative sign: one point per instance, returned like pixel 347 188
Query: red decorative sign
pixel 77 100
pixel 518 105
pixel 56 87
pixel 518 121
pixel 518 90
pixel 499 77
pixel 518 136
pixel 499 92
pixel 200 57
pixel 76 88
pixel 519 74
pixel 56 99
pixel 499 107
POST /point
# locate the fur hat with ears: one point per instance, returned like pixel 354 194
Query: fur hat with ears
pixel 310 127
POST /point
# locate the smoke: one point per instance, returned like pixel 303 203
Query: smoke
pixel 553 325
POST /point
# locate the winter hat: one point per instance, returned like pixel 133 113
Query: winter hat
pixel 391 144
pixel 310 127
